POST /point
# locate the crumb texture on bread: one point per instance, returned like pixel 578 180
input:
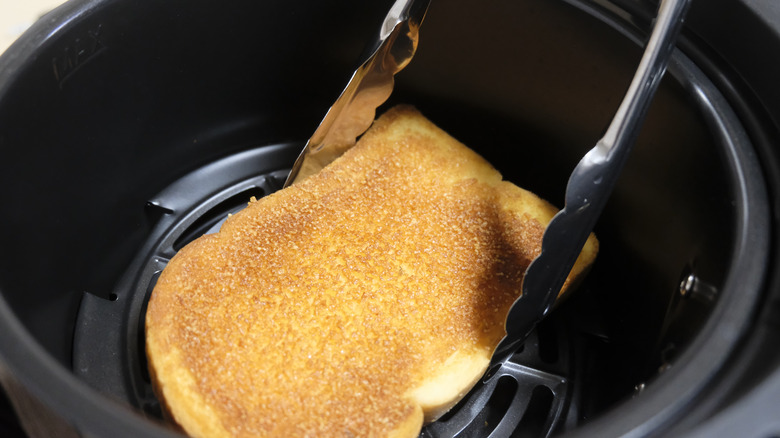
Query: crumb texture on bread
pixel 362 301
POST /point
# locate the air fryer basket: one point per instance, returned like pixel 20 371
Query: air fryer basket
pixel 128 129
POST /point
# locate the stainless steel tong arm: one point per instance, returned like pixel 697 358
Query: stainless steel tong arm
pixel 589 187
pixel 370 86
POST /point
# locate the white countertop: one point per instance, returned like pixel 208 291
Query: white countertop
pixel 17 15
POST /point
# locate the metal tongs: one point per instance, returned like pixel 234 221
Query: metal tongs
pixel 588 189
pixel 370 86
pixel 589 186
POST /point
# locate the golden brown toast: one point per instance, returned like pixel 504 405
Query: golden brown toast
pixel 362 301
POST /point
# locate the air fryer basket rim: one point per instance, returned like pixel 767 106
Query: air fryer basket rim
pixel 722 333
pixel 90 411
pixel 21 356
pixel 700 362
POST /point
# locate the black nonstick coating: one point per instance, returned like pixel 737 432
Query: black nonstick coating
pixel 107 103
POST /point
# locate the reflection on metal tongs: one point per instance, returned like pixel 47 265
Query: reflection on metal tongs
pixel 589 187
pixel 370 85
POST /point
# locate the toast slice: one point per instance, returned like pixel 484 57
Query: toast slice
pixel 365 300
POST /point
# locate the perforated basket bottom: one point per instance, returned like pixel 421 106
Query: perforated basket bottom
pixel 529 396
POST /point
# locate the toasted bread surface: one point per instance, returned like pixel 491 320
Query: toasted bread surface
pixel 362 301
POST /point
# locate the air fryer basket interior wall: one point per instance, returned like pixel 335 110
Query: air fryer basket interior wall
pixel 120 100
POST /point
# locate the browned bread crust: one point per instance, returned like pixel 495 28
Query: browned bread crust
pixel 361 301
